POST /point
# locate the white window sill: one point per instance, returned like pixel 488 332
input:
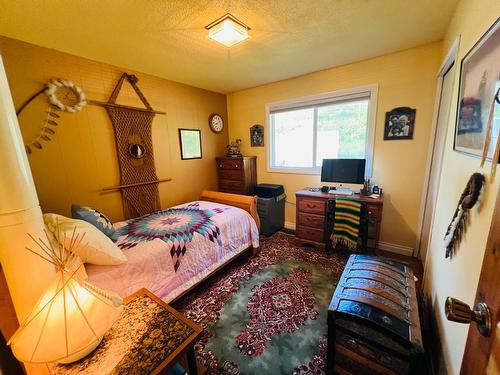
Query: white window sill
pixel 311 171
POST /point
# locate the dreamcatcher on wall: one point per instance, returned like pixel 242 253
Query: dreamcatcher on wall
pixel 458 224
pixel 63 96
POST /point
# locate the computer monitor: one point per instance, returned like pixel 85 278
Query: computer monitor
pixel 343 171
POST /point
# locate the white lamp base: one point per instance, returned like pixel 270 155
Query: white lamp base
pixel 82 353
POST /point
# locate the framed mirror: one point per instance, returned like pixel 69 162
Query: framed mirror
pixel 190 142
pixel 136 150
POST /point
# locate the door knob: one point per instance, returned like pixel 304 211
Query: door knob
pixel 458 311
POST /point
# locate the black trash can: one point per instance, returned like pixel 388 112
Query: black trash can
pixel 271 207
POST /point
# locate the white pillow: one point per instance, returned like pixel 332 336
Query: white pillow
pixel 75 265
pixel 95 248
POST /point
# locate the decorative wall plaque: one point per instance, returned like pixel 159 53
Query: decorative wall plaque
pixel 257 136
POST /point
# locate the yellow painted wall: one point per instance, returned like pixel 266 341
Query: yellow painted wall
pixel 459 276
pixel 406 78
pixel 81 159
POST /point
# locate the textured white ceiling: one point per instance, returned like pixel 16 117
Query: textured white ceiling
pixel 167 38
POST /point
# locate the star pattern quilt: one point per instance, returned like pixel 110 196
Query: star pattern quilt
pixel 174 226
pixel 171 250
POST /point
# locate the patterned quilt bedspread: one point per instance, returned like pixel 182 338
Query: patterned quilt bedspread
pixel 171 250
pixel 175 226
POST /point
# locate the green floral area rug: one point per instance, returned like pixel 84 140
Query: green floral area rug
pixel 266 314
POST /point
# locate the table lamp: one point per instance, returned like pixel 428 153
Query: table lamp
pixel 71 317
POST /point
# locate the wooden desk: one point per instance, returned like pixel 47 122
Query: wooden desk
pixel 313 226
pixel 149 338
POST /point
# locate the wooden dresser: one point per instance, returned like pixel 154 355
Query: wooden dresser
pixel 314 219
pixel 237 175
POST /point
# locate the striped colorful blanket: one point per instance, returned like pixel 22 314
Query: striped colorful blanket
pixel 346 224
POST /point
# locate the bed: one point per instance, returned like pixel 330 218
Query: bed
pixel 171 251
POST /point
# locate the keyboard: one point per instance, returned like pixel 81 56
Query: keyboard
pixel 342 192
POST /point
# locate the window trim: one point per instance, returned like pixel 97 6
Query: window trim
pixel 316 100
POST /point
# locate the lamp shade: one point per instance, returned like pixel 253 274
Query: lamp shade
pixel 67 322
pixel 227 30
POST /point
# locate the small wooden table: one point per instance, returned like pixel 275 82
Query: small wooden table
pixel 149 338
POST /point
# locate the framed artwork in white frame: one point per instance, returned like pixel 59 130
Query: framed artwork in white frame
pixel 478 95
pixel 190 143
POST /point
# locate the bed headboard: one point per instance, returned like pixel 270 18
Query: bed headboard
pixel 245 202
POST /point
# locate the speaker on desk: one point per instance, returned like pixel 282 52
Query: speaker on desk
pixel 330 218
pixel 330 210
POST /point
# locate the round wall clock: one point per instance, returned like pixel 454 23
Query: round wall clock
pixel 216 123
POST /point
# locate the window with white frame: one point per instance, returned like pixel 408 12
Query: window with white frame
pixel 305 131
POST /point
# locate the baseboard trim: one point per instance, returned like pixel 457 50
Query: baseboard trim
pixel 393 248
pixel 386 246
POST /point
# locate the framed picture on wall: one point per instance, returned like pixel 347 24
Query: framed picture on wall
pixel 190 142
pixel 478 96
pixel 257 136
pixel 399 123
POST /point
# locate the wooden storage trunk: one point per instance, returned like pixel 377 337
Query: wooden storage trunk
pixel 373 321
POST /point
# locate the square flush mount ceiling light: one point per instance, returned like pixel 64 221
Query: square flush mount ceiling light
pixel 227 30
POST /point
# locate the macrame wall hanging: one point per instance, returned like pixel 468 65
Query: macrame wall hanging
pixel 459 221
pixel 134 146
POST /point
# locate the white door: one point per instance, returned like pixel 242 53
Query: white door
pixel 436 158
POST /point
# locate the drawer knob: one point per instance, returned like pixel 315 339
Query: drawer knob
pixel 386 359
pixel 352 343
pixel 387 320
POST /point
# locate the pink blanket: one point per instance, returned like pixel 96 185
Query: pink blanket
pixel 171 250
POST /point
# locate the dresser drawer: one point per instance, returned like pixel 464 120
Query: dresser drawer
pixel 373 211
pixel 311 220
pixel 314 206
pixel 230 163
pixel 230 174
pixel 231 190
pixel 313 234
pixel 233 185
